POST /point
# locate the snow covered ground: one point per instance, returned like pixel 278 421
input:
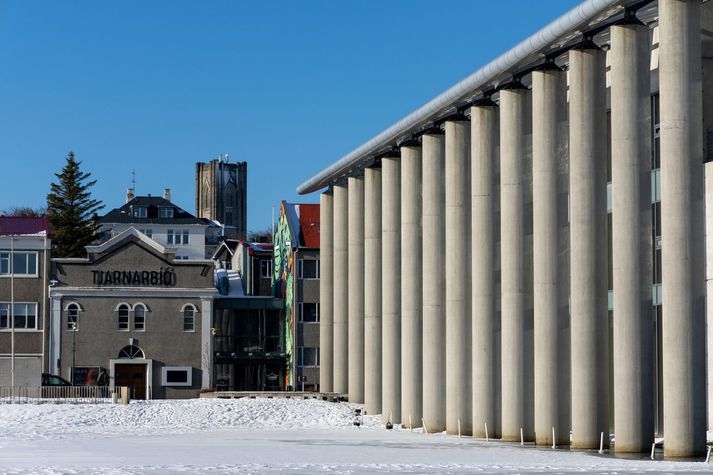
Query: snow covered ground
pixel 258 436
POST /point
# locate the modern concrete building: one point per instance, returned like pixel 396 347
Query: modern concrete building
pixel 511 303
pixel 25 248
pixel 222 195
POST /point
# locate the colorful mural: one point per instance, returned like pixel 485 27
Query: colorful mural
pixel 283 287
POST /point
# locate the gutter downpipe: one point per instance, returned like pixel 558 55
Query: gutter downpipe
pixel 571 20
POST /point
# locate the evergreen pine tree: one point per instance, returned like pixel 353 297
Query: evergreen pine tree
pixel 72 211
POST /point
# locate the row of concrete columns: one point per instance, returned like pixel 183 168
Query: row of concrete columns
pixel 410 320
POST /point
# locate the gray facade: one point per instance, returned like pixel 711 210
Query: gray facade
pixel 24 321
pixel 136 310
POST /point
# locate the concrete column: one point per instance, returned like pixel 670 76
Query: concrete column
pixel 326 293
pixel 484 142
pixel 515 413
pixel 632 258
pixel 458 319
pixel 391 289
pixel 434 283
pixel 682 219
pixel 549 108
pixel 372 290
pixel 341 290
pixel 588 231
pixel 411 316
pixel 355 297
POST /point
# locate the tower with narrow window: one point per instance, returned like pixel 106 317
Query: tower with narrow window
pixel 221 194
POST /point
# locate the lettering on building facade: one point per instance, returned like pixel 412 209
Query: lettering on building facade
pixel 164 277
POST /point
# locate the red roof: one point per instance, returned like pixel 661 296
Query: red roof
pixel 26 225
pixel 309 225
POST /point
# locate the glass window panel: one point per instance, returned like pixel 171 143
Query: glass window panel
pixel 4 262
pixel 309 269
pixel 169 236
pixel 124 317
pixel 185 237
pixel 188 320
pixel 139 318
pixel 19 263
pixel 32 263
pixel 4 315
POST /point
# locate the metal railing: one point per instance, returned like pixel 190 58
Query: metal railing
pixel 61 394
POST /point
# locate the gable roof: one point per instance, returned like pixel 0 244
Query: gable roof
pixel 125 235
pixel 24 225
pixel 303 220
pixel 152 204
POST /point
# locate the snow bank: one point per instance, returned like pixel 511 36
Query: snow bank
pixel 30 421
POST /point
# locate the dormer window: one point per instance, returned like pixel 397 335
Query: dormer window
pixel 165 212
pixel 140 212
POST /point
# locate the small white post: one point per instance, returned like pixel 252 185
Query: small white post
pixel 423 423
pixel 522 437
pixel 486 431
pixel 459 427
pixel 653 448
pixel 708 456
pixel 410 424
pixel 601 443
pixel 554 444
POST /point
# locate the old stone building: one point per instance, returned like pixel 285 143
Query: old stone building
pixel 135 312
pixel 221 195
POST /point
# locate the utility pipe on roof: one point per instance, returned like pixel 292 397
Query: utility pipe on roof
pixel 568 22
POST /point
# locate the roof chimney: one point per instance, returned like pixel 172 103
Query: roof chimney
pixel 167 194
pixel 129 194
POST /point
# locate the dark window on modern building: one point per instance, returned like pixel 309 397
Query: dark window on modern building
pixel 309 269
pixel 309 312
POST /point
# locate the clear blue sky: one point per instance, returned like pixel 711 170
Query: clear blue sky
pixel 288 86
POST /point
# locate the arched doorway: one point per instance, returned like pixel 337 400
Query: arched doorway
pixel 130 370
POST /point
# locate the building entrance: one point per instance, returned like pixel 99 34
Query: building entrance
pixel 132 376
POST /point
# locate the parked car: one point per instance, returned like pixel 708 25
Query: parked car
pixel 52 380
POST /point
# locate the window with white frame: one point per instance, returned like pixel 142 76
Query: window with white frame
pixel 176 236
pixel 123 317
pixel 24 316
pixel 19 263
pixel 266 268
pixel 308 312
pixel 308 357
pixel 139 317
pixel 189 318
pixel 73 317
pixel 309 269
pixel 165 212
pixel 140 212
pixel 177 376
pixel 147 232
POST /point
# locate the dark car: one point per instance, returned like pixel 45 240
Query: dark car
pixel 52 380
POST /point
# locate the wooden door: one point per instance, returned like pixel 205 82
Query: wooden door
pixel 134 377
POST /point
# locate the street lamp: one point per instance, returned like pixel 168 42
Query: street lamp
pixel 73 326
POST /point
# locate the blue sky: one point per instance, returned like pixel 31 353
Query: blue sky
pixel 288 86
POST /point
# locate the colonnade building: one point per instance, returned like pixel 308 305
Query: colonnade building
pixel 525 254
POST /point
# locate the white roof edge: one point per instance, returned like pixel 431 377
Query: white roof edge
pixel 572 20
pixel 131 231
